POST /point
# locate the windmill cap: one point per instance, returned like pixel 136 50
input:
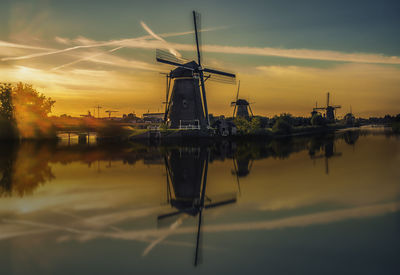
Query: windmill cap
pixel 184 72
pixel 242 102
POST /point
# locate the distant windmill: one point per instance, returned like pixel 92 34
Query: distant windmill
pixel 330 110
pixel 241 106
pixel 109 112
pixel 186 107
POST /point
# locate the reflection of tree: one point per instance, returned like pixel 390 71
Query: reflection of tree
pixel 25 168
pixel 6 167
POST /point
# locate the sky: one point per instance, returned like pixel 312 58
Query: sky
pixel 286 54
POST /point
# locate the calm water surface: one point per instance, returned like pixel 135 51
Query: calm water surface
pixel 321 205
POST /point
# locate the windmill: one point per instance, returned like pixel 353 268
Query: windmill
pixel 241 106
pixel 109 112
pixel 330 109
pixel 186 107
pixel 186 187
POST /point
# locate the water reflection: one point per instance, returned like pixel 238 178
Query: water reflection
pixel 187 169
pixel 26 166
pixel 170 197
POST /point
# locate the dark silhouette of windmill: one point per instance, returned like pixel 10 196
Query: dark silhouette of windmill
pixel 329 109
pixel 241 106
pixel 328 151
pixel 186 107
pixel 186 187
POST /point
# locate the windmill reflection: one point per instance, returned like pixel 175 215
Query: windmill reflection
pixel 186 187
pixel 323 149
pixel 242 164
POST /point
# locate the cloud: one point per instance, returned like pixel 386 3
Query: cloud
pixel 87 44
pixel 5 44
pixel 62 40
pixel 309 54
pixel 305 54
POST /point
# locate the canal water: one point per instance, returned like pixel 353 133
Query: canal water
pixel 310 205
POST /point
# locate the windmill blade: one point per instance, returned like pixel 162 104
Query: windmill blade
pixel 218 72
pixel 220 79
pixel 168 84
pixel 170 59
pixel 237 94
pixel 220 203
pixel 196 20
pixel 327 99
pixel 160 217
pixel 161 54
pixel 251 111
pixel 198 239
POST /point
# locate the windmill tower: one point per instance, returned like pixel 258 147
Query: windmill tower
pixel 241 106
pixel 187 105
pixel 329 109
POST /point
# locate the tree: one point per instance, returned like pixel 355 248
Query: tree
pixel 6 106
pixel 318 120
pixel 8 128
pixel 23 106
pixel 283 123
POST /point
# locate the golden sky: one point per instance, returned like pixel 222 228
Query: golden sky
pixel 84 59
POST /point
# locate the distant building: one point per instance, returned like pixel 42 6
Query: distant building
pixel 153 117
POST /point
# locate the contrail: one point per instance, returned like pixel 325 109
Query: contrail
pixel 121 42
pixel 171 50
pixel 85 59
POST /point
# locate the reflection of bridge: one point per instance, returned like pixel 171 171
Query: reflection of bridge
pixel 83 136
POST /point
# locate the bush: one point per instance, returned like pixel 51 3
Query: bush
pixel 281 125
pixel 318 120
pixel 245 126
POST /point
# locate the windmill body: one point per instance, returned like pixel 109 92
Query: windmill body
pixel 241 106
pixel 330 110
pixel 186 107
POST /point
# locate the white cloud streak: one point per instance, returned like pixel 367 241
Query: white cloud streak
pixel 309 54
pixel 170 49
pixel 6 44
